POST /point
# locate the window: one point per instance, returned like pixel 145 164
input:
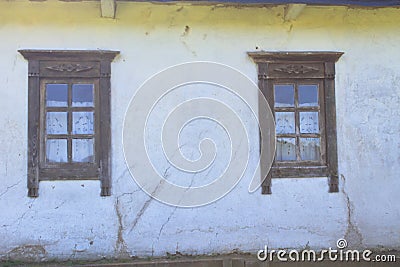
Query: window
pixel 300 90
pixel 69 117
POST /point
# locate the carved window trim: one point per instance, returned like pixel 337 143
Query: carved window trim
pixel 296 67
pixel 69 66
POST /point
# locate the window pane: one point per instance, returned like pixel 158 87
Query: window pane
pixel 56 95
pixel 285 149
pixel 284 95
pixel 284 122
pixel 56 123
pixel 82 123
pixel 82 95
pixel 308 95
pixel 82 150
pixel 56 150
pixel 309 148
pixel 309 122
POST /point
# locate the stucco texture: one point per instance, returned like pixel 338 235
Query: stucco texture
pixel 69 220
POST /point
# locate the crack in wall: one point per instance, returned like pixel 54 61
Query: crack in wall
pixel 198 229
pixel 176 207
pixel 120 245
pixel 147 203
pixel 9 187
pixel 123 175
pixel 140 213
pixel 6 168
pixel 353 234
pixel 165 223
pixel 20 218
pixel 60 205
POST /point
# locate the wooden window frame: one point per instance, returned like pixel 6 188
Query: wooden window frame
pixel 69 66
pixel 296 67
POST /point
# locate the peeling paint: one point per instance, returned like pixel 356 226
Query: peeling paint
pixel 28 253
pixel 186 31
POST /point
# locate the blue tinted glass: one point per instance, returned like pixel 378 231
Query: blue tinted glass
pixel 284 95
pixel 308 95
pixel 56 95
pixel 82 95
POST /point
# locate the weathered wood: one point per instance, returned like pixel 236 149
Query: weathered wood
pixel 304 135
pixel 75 136
pixel 301 68
pixel 105 130
pixel 299 172
pixel 295 70
pixel 292 109
pixel 69 126
pixel 68 55
pixel 69 67
pixel 286 57
pixel 33 128
pixel 70 172
pixel 297 121
pixel 66 109
pixel 263 85
pixel 322 122
pixel 293 11
pixel 238 262
pixel 267 184
pixel 332 158
pixel 108 8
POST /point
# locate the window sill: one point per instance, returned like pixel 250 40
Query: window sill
pixel 299 171
pixel 83 173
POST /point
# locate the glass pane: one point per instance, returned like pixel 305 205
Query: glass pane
pixel 285 149
pixel 56 150
pixel 284 122
pixel 56 123
pixel 56 95
pixel 309 148
pixel 82 150
pixel 308 95
pixel 82 95
pixel 309 122
pixel 284 95
pixel 82 123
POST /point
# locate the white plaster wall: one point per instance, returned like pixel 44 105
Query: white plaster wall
pixel 71 220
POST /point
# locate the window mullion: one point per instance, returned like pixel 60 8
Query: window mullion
pixel 297 121
pixel 61 67
pixel 69 149
pixel 303 69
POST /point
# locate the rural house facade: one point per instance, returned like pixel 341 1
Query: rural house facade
pixel 75 80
